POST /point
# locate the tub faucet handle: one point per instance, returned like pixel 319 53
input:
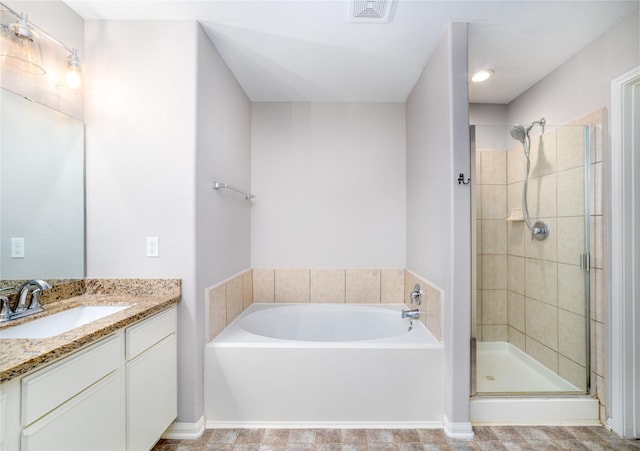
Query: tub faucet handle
pixel 416 294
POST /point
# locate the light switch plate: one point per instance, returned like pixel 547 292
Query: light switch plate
pixel 17 247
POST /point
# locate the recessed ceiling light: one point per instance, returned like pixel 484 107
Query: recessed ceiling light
pixel 482 75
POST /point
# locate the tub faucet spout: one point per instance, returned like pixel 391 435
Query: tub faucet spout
pixel 413 314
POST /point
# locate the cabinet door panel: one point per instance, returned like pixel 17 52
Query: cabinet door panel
pixel 150 331
pixel 92 420
pixel 151 394
pixel 48 388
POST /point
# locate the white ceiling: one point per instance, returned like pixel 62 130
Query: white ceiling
pixel 307 50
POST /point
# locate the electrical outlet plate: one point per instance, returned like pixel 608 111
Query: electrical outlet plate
pixel 152 246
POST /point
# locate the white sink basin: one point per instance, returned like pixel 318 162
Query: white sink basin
pixel 58 323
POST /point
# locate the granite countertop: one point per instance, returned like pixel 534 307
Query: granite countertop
pixel 144 296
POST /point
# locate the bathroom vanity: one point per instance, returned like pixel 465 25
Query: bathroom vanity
pixel 109 385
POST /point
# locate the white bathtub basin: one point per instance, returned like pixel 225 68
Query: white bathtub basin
pixel 58 323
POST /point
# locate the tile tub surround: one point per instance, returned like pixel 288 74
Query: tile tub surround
pixel 371 286
pixel 145 296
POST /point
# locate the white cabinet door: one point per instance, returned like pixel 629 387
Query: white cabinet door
pixel 92 420
pixel 151 394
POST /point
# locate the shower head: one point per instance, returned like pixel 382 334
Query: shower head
pixel 518 132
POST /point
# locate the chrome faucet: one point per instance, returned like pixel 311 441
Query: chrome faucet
pixel 413 314
pixel 416 295
pixel 34 286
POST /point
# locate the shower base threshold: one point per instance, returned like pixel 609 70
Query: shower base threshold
pixel 515 389
pixel 539 411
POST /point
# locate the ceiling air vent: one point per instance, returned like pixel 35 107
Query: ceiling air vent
pixel 369 11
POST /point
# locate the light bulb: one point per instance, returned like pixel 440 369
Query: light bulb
pixel 72 77
pixel 482 75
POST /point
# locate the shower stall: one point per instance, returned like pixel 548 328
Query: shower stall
pixel 531 234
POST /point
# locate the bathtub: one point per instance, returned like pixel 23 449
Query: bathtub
pixel 324 365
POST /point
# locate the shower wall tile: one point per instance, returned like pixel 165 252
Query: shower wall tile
pixel 541 282
pixel 570 239
pixel 494 167
pixel 598 287
pixel 543 155
pixel 570 147
pixel 494 202
pixel 479 236
pixel 571 336
pixel 516 238
pixel 572 372
pixel 571 192
pixel 391 285
pixel 363 285
pixel 546 356
pixel 600 360
pixel 263 285
pixel 571 288
pixel 494 307
pixel 494 332
pixel 327 285
pixel 515 164
pixel 234 298
pixel 292 285
pixel 494 272
pixel 597 186
pixel 514 196
pixel 515 274
pixel 541 197
pixel 546 249
pixel 516 311
pixel 494 236
pixel 542 323
pixel 516 338
pixel 217 310
pixel 597 250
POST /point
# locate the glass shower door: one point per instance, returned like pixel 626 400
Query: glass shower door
pixel 531 301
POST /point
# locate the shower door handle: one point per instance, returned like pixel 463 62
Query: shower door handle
pixel 585 262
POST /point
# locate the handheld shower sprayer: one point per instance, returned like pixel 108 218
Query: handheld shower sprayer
pixel 540 230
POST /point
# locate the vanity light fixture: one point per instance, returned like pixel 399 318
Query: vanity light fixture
pixel 482 75
pixel 72 77
pixel 20 47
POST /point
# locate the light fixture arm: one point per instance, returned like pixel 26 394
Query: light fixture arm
pixel 26 32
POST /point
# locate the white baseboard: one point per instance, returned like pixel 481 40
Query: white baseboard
pixel 323 425
pixel 457 430
pixel 182 431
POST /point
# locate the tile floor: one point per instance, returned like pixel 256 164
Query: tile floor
pixel 539 438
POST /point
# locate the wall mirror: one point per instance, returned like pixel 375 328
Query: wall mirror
pixel 42 226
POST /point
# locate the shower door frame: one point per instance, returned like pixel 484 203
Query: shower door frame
pixel 585 265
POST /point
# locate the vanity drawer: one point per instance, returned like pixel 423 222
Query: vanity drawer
pixel 150 331
pixel 46 389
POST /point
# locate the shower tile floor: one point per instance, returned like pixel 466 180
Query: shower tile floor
pixel 539 438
